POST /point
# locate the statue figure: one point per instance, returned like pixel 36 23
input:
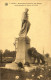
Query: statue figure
pixel 36 55
pixel 25 24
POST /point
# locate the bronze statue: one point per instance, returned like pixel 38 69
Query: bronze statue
pixel 25 24
pixel 36 55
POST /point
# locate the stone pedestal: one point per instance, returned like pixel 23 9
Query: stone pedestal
pixel 12 66
pixel 21 53
pixel 23 46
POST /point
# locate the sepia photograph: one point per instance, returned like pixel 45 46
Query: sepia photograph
pixel 25 40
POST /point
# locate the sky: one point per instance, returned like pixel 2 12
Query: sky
pixel 10 25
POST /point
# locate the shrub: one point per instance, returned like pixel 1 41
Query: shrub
pixel 20 64
pixel 27 63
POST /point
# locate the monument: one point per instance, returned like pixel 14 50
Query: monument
pixel 23 43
